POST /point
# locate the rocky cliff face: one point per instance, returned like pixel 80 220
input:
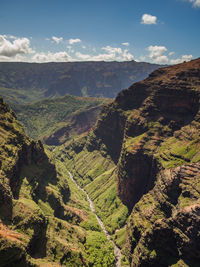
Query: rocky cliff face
pixel 152 131
pixel 164 227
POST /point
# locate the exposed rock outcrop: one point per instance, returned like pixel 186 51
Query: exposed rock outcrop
pixel 164 227
pixel 151 131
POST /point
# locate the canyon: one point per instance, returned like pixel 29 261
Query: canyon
pixel 137 165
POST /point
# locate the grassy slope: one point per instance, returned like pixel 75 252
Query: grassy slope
pixel 98 251
pixel 46 116
pixel 21 97
pixel 97 174
pixel 75 240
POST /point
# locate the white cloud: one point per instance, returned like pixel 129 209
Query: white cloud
pixel 171 53
pixel 17 58
pixel 196 3
pixel 8 36
pixel 74 41
pixel 112 54
pixel 161 59
pixel 182 59
pixel 156 54
pixel 57 39
pixel 13 48
pixel 126 44
pixel 127 55
pixel 99 57
pixel 148 19
pixel 51 57
pixel 111 49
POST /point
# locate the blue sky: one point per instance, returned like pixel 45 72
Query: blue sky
pixel 159 31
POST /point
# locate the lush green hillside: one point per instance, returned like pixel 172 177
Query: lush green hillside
pixel 59 119
pixel 148 142
pixel 45 220
pixel 28 82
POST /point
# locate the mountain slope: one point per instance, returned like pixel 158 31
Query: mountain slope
pixel 58 119
pixel 29 82
pixel 151 135
pixel 44 219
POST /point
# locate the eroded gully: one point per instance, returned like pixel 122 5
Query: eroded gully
pixel 117 251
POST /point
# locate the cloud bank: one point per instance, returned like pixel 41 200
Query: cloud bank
pixel 51 57
pixel 112 54
pixel 13 48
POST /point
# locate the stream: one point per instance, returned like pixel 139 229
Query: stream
pixel 117 251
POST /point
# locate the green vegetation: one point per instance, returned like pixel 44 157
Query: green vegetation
pixel 176 151
pixel 109 207
pixel 120 237
pixel 97 174
pixel 21 97
pixel 44 218
pixel 96 246
pixel 47 116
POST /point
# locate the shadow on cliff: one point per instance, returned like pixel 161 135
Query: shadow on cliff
pixel 136 177
pixel 38 243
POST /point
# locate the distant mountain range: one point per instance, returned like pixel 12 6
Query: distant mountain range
pixel 28 82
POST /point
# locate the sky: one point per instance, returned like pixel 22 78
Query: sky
pixel 155 31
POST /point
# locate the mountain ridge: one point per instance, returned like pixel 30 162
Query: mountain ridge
pixel 30 82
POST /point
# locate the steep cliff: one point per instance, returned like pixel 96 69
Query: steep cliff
pixel 151 132
pixel 42 221
pixel 161 132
